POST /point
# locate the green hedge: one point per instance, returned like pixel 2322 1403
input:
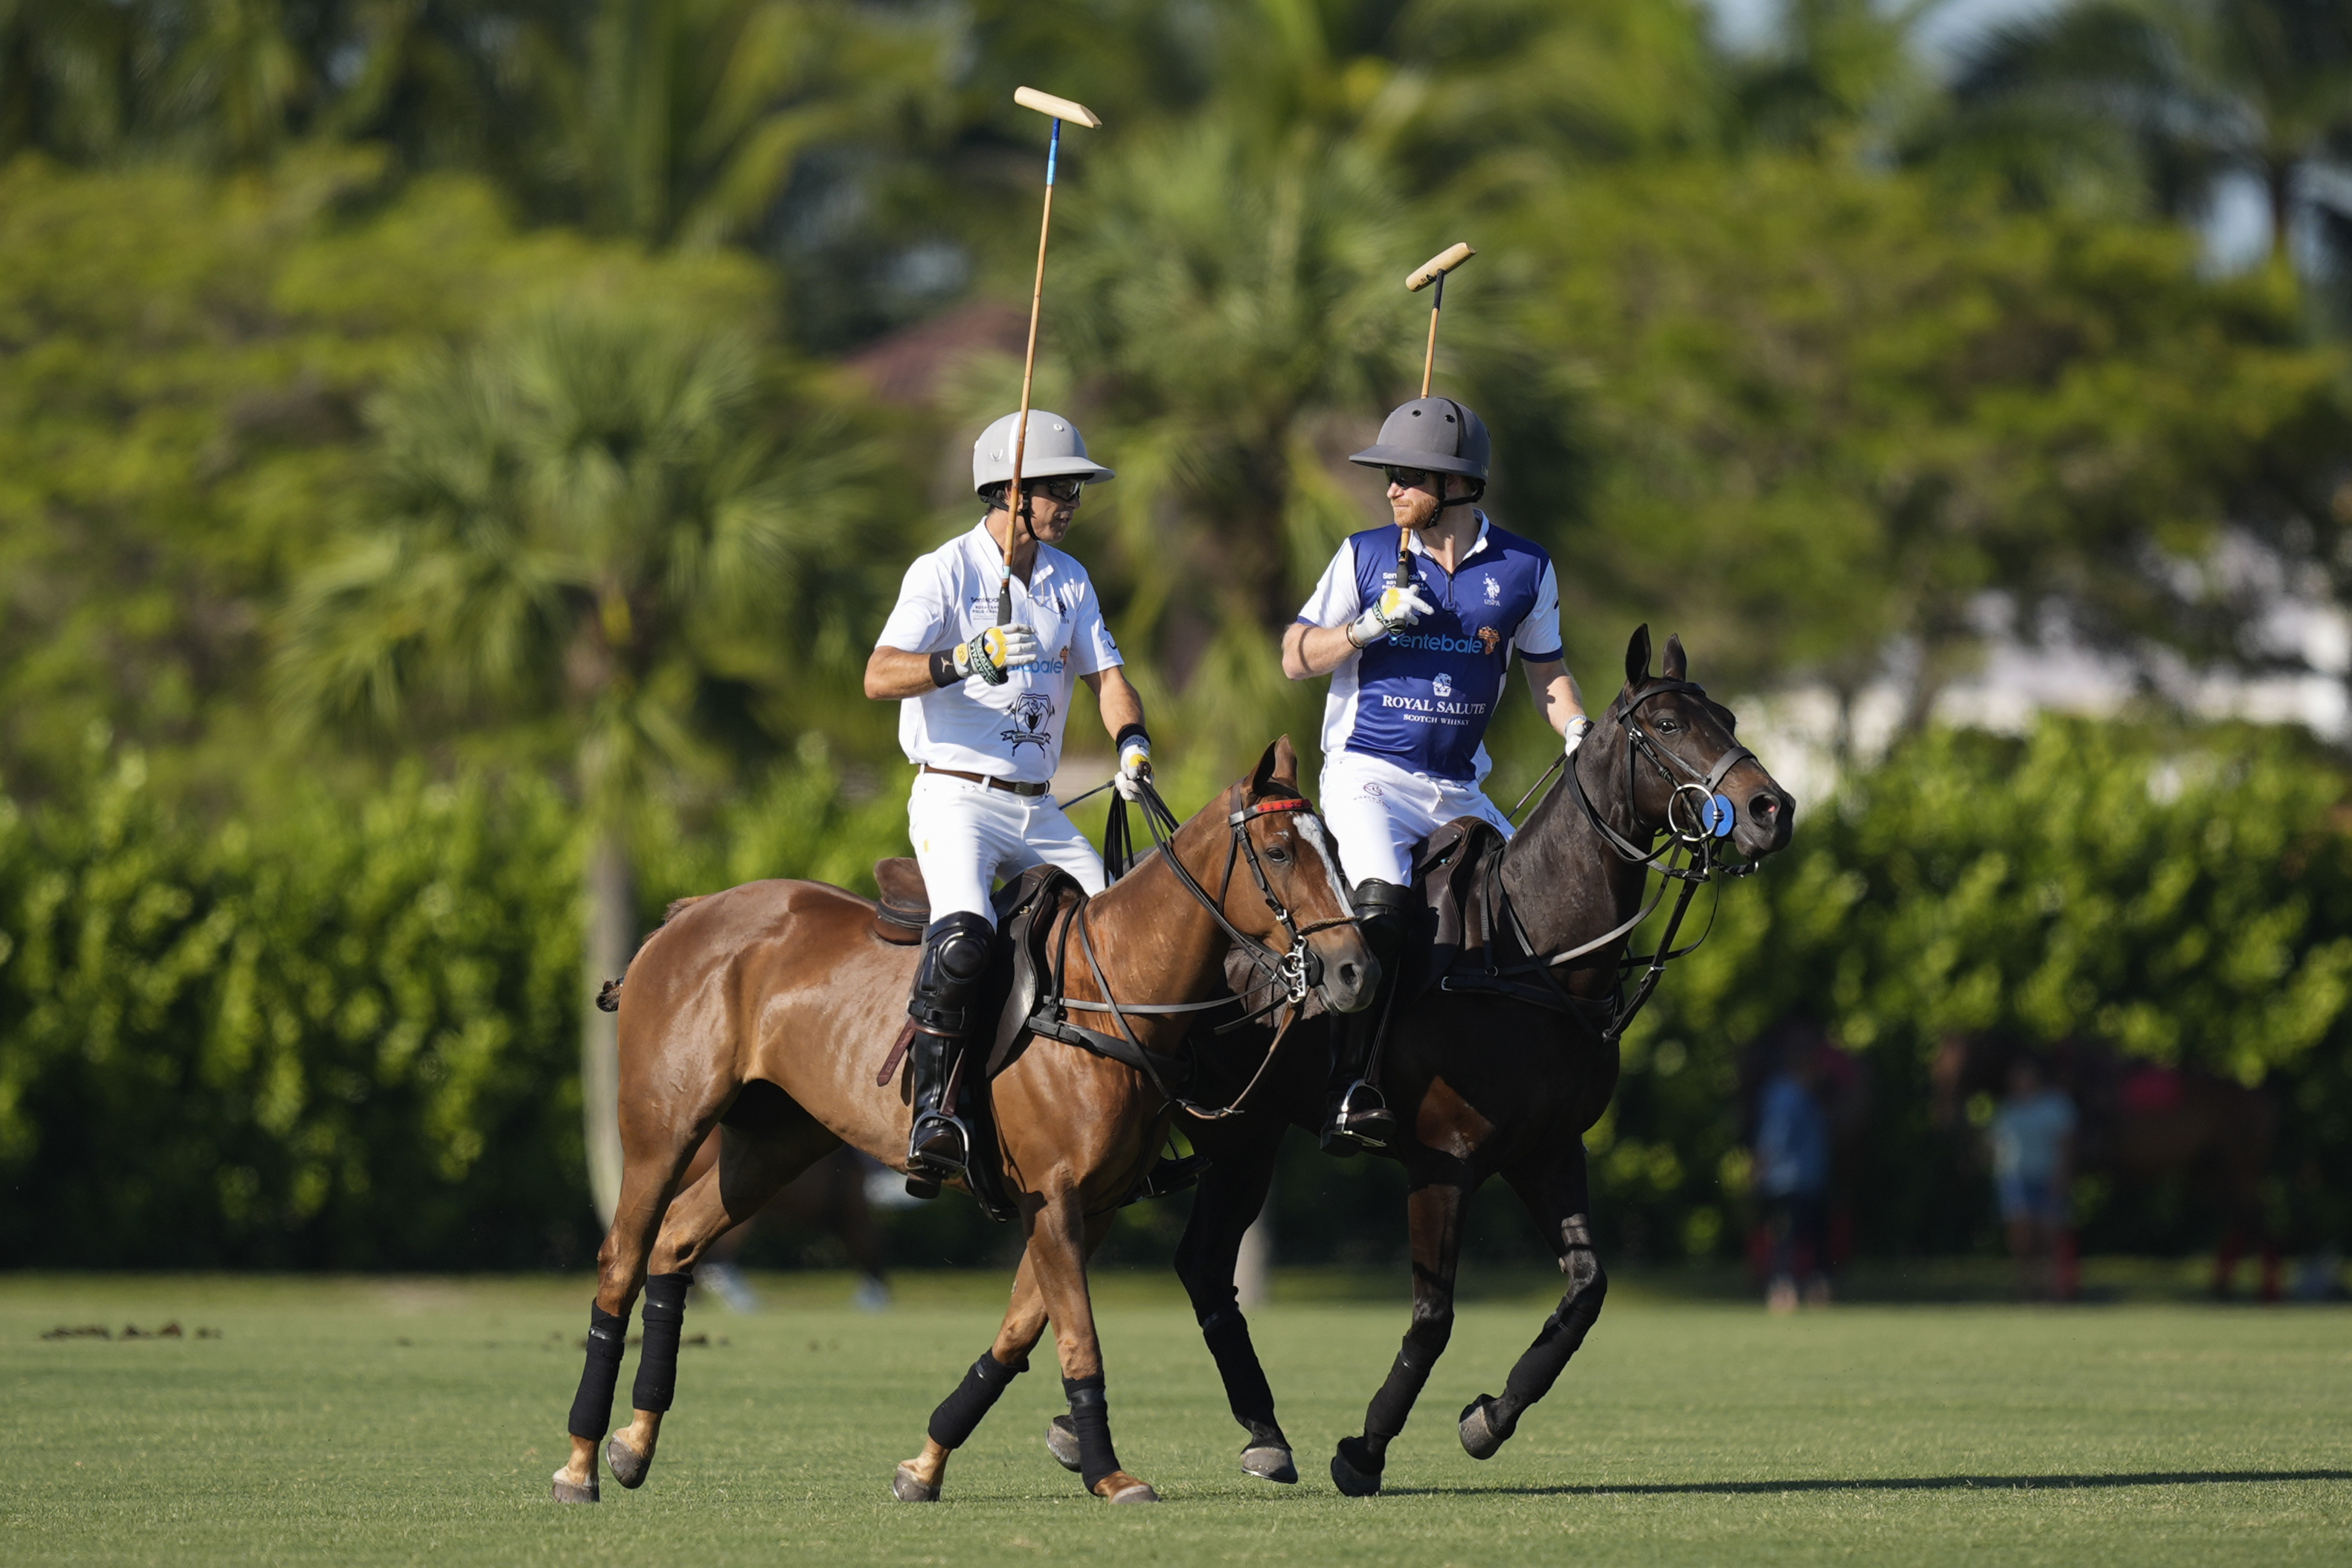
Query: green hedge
pixel 2185 897
pixel 344 1036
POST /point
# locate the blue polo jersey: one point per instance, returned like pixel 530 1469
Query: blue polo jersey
pixel 1422 697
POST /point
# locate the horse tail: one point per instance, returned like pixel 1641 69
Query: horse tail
pixel 608 996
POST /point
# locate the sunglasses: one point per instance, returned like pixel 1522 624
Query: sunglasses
pixel 1411 479
pixel 1061 490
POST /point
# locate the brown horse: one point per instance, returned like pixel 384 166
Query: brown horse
pixel 2142 1123
pixel 1496 1081
pixel 767 1009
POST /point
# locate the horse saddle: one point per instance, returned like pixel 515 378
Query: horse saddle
pixel 1027 907
pixel 1457 870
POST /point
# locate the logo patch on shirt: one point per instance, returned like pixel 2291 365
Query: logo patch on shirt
pixel 1441 684
pixel 1030 713
pixel 1494 589
pixel 1488 637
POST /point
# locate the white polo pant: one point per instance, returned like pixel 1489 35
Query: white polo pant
pixel 1379 810
pixel 967 835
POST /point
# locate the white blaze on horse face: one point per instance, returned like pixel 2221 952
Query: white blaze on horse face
pixel 1310 828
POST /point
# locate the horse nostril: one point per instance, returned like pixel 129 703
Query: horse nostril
pixel 1763 807
pixel 1348 974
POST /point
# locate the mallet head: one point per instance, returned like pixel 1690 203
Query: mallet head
pixel 1053 108
pixel 1436 267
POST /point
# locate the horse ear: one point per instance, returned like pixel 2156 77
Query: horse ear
pixel 1676 667
pixel 1279 760
pixel 1637 657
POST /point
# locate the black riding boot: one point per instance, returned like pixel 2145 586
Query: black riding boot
pixel 1358 1118
pixel 947 983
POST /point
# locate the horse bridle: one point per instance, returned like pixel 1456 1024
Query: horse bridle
pixel 1291 974
pixel 1712 819
pixel 1713 814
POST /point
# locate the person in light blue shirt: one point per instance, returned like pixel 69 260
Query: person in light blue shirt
pixel 2033 1170
pixel 1792 1178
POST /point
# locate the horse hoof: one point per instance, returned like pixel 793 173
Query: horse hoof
pixel 907 1486
pixel 629 1466
pixel 572 1491
pixel 1351 1481
pixel 1062 1442
pixel 1124 1487
pixel 1270 1463
pixel 1483 1435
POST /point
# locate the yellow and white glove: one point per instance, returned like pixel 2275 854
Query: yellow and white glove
pixel 1134 765
pixel 1578 728
pixel 1395 607
pixel 997 653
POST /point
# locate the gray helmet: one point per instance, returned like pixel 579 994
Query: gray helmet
pixel 1054 450
pixel 1434 433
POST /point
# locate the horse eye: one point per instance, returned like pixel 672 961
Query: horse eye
pixel 1278 854
pixel 1667 726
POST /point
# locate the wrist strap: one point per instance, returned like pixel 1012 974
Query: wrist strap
pixel 943 670
pixel 1129 731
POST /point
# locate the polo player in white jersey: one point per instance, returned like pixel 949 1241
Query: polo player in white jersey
pixel 1417 672
pixel 980 712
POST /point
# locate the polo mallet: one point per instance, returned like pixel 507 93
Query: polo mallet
pixel 1056 109
pixel 1432 270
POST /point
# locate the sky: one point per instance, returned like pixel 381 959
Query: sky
pixel 1749 23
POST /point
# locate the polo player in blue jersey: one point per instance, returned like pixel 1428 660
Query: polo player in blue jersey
pixel 1416 671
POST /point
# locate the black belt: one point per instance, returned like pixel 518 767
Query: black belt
pixel 1007 786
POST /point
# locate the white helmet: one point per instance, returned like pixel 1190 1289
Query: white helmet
pixel 1054 450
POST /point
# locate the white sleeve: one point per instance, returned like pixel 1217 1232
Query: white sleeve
pixel 1337 598
pixel 1539 635
pixel 922 621
pixel 1092 651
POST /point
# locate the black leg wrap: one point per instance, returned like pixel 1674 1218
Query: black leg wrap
pixel 984 1382
pixel 657 1359
pixel 1424 1343
pixel 591 1407
pixel 1090 1413
pixel 1246 1389
pixel 1539 1366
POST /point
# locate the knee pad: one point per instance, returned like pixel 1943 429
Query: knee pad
pixel 955 959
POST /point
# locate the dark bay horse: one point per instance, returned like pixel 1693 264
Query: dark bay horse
pixel 1489 1084
pixel 767 1009
pixel 2141 1123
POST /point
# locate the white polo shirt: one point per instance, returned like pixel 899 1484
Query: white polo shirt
pixel 1011 732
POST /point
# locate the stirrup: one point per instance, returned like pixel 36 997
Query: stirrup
pixel 925 1168
pixel 1353 1128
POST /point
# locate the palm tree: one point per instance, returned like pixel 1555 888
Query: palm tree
pixel 2181 96
pixel 596 532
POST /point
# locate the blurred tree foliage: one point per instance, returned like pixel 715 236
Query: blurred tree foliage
pixel 181 418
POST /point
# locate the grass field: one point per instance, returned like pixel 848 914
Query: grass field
pixel 396 1421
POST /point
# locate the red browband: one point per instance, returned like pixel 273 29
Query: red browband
pixel 1264 807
